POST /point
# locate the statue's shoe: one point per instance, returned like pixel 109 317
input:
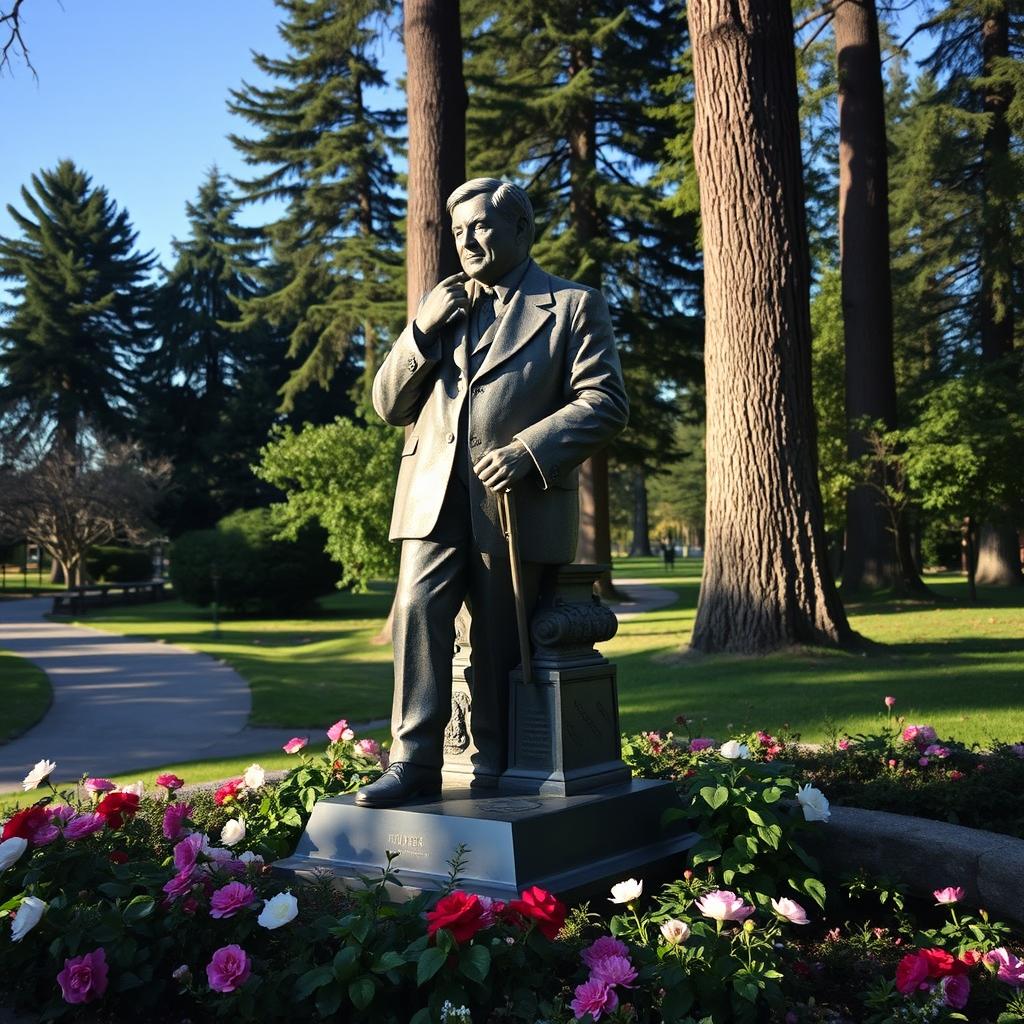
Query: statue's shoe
pixel 402 782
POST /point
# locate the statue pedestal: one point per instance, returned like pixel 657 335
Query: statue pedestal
pixel 566 814
pixel 575 846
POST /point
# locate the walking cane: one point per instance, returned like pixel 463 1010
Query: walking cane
pixel 507 521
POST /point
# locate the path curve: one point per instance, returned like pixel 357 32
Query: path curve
pixel 122 705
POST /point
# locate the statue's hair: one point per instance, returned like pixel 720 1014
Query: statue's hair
pixel 505 198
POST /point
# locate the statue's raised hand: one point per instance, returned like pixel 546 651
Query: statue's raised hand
pixel 444 300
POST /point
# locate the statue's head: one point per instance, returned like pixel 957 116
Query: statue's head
pixel 493 225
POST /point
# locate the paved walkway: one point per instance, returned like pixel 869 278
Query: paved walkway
pixel 122 705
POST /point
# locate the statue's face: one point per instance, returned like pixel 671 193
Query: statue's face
pixel 489 245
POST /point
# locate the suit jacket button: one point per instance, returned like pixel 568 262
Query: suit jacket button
pixel 478 390
pixel 474 440
pixel 412 364
pixel 450 438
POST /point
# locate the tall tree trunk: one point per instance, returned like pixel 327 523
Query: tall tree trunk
pixel 766 581
pixel 641 545
pixel 998 546
pixel 871 559
pixel 595 540
pixel 436 93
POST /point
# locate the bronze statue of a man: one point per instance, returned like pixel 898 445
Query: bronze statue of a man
pixel 509 378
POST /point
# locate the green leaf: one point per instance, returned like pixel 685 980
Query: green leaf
pixel 361 992
pixel 329 999
pixel 715 797
pixel 816 890
pixel 771 794
pixel 345 962
pixel 139 909
pixel 475 962
pixel 421 1016
pixel 115 890
pixel 312 980
pixel 430 963
pixel 126 980
pixel 388 961
pixel 705 850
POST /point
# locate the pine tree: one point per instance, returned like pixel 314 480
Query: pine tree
pixel 563 100
pixel 78 321
pixel 208 396
pixel 335 284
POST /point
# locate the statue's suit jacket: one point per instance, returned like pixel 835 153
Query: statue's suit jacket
pixel 551 378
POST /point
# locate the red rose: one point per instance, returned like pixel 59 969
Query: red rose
pixel 460 913
pixel 940 963
pixel 970 958
pixel 228 791
pixel 539 905
pixel 911 972
pixel 25 824
pixel 116 807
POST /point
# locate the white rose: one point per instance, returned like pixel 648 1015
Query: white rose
pixel 233 832
pixel 27 917
pixel 675 932
pixel 814 803
pixel 133 787
pixel 42 771
pixel 250 858
pixel 10 850
pixel 279 910
pixel 627 891
pixel 733 750
pixel 254 776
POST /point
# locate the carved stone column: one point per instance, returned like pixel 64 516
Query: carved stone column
pixel 564 726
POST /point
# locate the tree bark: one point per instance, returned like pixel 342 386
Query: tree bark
pixel 595 540
pixel 766 581
pixel 641 545
pixel 436 93
pixel 998 547
pixel 871 559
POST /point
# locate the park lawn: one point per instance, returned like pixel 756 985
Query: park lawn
pixel 957 667
pixel 26 695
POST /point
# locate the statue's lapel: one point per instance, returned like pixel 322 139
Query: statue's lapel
pixel 527 312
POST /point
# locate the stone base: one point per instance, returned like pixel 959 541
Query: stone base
pixel 575 846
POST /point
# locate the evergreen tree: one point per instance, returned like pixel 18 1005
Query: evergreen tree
pixel 335 284
pixel 563 100
pixel 208 397
pixel 78 320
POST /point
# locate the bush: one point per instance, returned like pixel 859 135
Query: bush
pixel 256 571
pixel 119 565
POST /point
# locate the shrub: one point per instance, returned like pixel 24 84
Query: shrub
pixel 119 565
pixel 255 570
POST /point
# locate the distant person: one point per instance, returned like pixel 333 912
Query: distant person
pixel 668 554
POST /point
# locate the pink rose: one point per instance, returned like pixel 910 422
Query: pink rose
pixel 84 978
pixel 96 786
pixel 229 969
pixel 956 988
pixel 789 910
pixel 921 735
pixel 890 702
pixel 186 852
pixel 293 746
pixel 371 748
pixel 934 750
pixel 955 776
pixel 1008 968
pixel 83 825
pixel 723 905
pixel 60 813
pixel 603 948
pixel 614 970
pixel 923 762
pixel 701 743
pixel 594 997
pixel 170 782
pixel 843 744
pixel 231 898
pixel 174 820
pixel 333 734
pixel 950 894
pixel 180 884
pixel 229 791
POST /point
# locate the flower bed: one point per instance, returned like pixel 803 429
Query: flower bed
pixel 121 905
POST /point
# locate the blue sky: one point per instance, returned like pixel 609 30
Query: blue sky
pixel 134 91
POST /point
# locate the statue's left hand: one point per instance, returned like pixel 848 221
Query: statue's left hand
pixel 502 467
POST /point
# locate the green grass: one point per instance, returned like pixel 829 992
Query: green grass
pixel 956 666
pixel 15 582
pixel 26 695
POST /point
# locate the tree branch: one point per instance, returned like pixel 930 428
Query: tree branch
pixel 11 24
